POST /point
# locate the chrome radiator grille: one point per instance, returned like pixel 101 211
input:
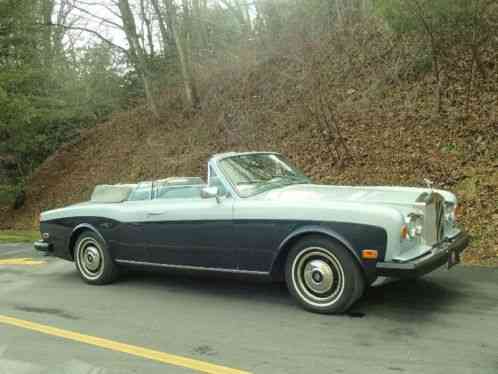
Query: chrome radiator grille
pixel 434 219
pixel 439 211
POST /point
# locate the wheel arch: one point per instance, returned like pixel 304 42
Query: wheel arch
pixel 77 232
pixel 278 265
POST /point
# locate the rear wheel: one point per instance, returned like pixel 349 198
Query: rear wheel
pixel 93 260
pixel 323 276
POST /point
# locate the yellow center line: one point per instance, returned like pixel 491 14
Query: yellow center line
pixel 21 261
pixel 166 358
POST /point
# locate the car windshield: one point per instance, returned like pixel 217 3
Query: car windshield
pixel 255 173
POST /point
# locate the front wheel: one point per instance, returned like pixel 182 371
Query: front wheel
pixel 93 261
pixel 323 276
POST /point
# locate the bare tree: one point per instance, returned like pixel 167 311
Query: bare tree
pixel 198 26
pixel 164 26
pixel 484 27
pixel 169 26
pixel 416 7
pixel 484 12
pixel 240 11
pixel 52 37
pixel 137 53
pixel 47 9
pixel 148 28
pixel 62 14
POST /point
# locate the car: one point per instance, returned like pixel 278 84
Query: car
pixel 260 216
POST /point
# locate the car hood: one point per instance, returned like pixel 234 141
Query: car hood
pixel 346 194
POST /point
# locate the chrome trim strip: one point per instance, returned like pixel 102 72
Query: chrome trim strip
pixel 187 267
pixel 89 227
pixel 42 246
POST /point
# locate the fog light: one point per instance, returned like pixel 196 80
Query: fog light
pixel 45 236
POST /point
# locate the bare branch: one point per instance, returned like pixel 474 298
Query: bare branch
pixel 93 32
pixel 98 4
pixel 102 19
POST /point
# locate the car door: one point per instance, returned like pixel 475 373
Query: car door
pixel 191 232
pixel 128 240
pixel 260 227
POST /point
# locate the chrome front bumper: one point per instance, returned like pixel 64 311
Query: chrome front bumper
pixel 42 246
pixel 447 252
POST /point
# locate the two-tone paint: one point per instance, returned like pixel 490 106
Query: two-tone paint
pixel 247 235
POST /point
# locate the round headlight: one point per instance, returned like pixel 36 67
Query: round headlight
pixel 415 225
pixel 450 213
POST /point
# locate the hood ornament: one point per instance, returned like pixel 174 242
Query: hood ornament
pixel 429 195
pixel 429 183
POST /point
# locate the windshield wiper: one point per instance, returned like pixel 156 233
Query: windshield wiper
pixel 290 178
pixel 250 182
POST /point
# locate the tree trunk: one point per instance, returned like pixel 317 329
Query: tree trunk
pixel 476 55
pixel 339 9
pixel 238 12
pixel 46 14
pixel 164 26
pixel 187 29
pixel 186 71
pixel 137 53
pixel 435 52
pixel 59 32
pixel 244 14
pixel 199 31
pixel 439 89
pixel 148 26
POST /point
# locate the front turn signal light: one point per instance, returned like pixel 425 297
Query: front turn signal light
pixel 404 232
pixel 369 254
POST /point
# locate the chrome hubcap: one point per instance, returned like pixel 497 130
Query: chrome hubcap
pixel 91 258
pixel 318 276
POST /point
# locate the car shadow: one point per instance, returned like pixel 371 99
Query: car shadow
pixel 211 285
pixel 402 300
pixel 415 300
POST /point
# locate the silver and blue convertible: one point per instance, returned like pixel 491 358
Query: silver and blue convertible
pixel 258 215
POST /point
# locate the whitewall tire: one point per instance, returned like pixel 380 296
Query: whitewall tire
pixel 323 276
pixel 93 260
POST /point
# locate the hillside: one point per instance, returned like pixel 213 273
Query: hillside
pixel 295 104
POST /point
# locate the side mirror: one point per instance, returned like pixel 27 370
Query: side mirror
pixel 210 192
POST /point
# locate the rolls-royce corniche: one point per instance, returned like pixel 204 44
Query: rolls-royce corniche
pixel 258 215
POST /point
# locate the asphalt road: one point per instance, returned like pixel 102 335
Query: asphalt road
pixel 445 323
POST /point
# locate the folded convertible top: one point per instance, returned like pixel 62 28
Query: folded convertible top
pixel 106 193
pixel 117 193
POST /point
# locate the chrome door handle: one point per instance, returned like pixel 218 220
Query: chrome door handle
pixel 152 214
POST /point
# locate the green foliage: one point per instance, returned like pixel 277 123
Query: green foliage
pixel 94 87
pixel 46 98
pixel 42 108
pixel 416 15
pixel 8 194
pixel 47 94
pixel 222 31
pixel 422 63
pixel 18 236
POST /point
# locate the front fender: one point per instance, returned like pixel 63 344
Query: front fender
pixel 318 229
pixel 354 237
pixel 76 232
